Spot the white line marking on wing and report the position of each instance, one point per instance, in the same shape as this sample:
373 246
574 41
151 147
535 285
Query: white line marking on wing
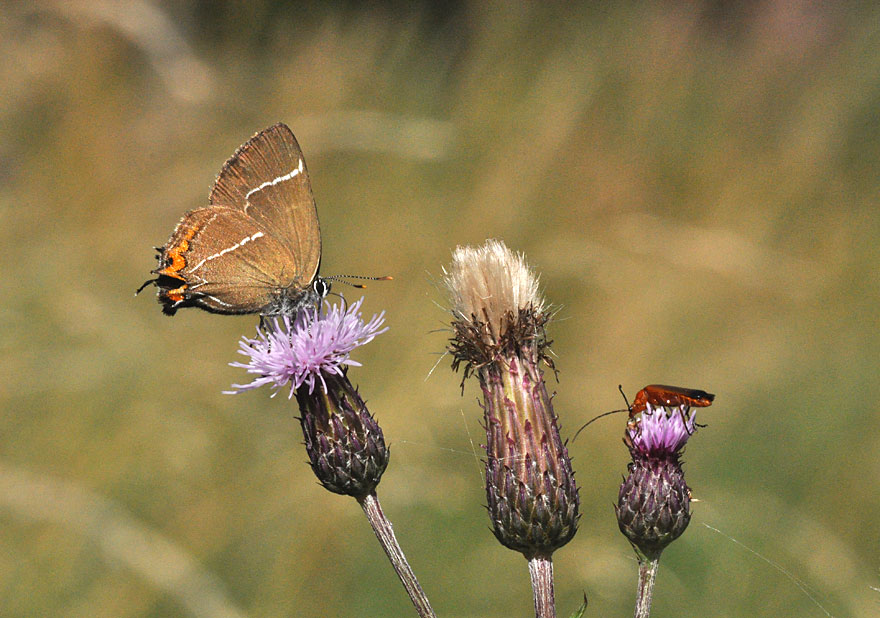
243 242
270 183
218 301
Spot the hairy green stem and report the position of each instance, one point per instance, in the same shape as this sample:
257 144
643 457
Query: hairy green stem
541 571
384 532
647 575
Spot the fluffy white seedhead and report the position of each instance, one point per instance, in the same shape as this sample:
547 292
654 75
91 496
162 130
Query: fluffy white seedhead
491 283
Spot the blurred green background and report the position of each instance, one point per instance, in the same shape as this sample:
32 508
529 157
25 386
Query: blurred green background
697 184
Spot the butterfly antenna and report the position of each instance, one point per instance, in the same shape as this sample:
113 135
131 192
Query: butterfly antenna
360 286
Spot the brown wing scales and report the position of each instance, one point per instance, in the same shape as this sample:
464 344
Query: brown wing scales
267 179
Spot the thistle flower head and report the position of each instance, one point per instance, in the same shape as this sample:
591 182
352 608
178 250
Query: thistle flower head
344 442
653 506
497 307
498 321
305 350
661 431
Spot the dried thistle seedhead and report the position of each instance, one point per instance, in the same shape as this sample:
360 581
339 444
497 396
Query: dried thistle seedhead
497 306
491 282
498 322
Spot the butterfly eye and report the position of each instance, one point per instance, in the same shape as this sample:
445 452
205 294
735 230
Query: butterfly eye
321 287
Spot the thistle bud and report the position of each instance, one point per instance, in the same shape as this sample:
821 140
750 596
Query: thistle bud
345 445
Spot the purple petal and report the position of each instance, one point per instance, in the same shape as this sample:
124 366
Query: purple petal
661 430
302 351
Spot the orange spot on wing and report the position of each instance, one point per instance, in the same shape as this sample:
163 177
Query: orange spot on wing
175 254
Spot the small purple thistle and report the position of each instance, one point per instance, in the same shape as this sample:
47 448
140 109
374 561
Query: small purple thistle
662 431
654 500
653 505
303 351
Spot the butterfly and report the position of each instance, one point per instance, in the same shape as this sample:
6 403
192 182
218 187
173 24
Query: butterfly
256 246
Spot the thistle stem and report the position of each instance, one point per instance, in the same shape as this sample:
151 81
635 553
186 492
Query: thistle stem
541 571
384 532
647 575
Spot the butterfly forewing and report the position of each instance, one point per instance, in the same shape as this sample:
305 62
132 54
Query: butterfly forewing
267 180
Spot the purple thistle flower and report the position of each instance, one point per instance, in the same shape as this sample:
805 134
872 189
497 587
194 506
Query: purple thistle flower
653 507
303 351
662 431
344 442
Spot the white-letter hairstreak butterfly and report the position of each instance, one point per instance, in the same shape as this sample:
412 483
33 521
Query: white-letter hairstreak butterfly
256 247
